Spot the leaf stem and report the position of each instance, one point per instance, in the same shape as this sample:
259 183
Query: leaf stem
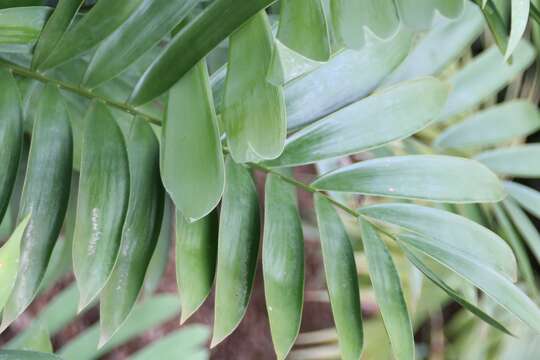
87 93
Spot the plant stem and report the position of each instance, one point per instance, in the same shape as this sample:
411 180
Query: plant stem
87 93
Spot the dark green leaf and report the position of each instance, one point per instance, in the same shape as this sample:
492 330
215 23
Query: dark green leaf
20 27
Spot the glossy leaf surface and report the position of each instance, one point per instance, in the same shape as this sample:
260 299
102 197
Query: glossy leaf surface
20 27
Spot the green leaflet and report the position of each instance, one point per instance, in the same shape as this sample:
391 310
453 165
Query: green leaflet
253 109
160 257
56 25
518 24
415 256
283 263
480 274
398 111
101 21
498 124
37 340
418 14
127 44
196 247
484 76
341 279
45 195
303 28
521 161
526 197
26 355
9 261
451 231
389 293
338 82
140 230
428 177
495 21
102 202
525 227
186 344
144 316
20 28
429 57
11 136
238 248
191 157
207 31
352 17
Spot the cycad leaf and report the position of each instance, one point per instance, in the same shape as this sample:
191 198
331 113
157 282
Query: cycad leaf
518 24
526 197
102 202
520 161
38 340
238 248
253 109
196 248
351 18
9 261
11 137
287 65
525 227
20 27
45 195
389 294
304 29
191 157
483 77
430 177
57 24
140 230
341 279
418 14
187 344
480 274
207 31
450 231
26 355
127 44
510 120
283 263
101 21
398 111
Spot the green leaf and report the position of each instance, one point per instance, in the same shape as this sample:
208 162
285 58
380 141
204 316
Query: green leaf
428 177
160 257
525 227
526 197
483 77
498 124
61 18
418 14
238 248
102 202
339 83
20 28
283 263
45 195
520 161
37 340
26 355
451 231
415 257
9 261
207 31
351 17
253 109
341 279
518 24
187 344
100 22
388 292
495 21
303 28
196 250
11 137
398 111
127 44
140 230
144 316
191 157
480 274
